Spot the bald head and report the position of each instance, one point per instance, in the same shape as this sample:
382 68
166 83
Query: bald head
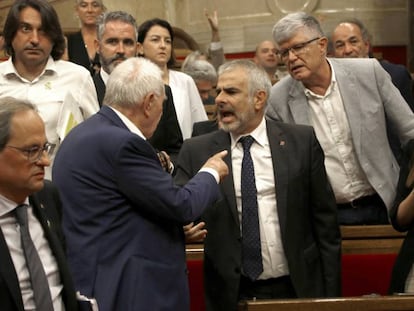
350 40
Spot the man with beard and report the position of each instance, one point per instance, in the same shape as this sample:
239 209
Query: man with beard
34 40
264 240
117 41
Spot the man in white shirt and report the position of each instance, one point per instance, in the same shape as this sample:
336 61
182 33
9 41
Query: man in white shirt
35 42
350 103
298 249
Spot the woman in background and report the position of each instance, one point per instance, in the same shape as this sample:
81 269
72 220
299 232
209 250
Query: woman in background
155 42
402 219
81 45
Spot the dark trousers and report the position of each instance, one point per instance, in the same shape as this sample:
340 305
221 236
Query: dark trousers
276 288
368 210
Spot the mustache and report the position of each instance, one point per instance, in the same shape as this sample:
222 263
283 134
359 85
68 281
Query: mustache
117 57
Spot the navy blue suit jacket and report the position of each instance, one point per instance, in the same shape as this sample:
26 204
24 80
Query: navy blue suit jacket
46 207
123 217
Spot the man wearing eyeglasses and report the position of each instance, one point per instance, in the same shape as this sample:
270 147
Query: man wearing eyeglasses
24 155
349 103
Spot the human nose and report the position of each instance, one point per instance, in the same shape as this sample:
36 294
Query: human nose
44 159
348 49
34 38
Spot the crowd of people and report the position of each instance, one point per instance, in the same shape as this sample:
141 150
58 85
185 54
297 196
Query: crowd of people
109 163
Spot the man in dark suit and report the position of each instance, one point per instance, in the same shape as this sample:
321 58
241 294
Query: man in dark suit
122 214
299 233
351 39
117 41
24 154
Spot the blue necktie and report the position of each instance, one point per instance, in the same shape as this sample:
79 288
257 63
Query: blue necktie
251 248
38 279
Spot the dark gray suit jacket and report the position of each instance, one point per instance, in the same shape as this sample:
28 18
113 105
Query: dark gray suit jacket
46 205
305 205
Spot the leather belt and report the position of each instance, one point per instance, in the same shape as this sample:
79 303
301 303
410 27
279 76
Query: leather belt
360 202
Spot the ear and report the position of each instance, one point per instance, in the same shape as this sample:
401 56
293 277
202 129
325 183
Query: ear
260 99
323 44
140 49
148 104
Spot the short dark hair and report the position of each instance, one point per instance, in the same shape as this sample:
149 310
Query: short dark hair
50 25
9 106
148 24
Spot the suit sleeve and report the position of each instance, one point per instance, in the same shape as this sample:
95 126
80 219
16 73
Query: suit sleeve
325 222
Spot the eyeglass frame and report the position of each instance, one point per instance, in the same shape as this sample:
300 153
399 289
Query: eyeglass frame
297 49
35 153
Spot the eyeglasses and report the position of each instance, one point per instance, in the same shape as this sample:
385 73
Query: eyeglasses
296 49
35 153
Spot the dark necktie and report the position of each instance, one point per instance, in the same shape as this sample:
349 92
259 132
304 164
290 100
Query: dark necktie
251 248
38 277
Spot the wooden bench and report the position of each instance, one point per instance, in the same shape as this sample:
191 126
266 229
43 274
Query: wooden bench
368 255
371 303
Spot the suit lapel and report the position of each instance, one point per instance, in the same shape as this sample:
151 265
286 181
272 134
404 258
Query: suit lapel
8 273
296 100
280 158
56 247
223 142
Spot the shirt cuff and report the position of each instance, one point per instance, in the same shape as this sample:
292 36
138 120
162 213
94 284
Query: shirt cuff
211 171
214 46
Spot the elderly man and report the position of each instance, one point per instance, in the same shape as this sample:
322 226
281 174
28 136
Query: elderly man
35 41
117 41
349 103
33 273
123 215
264 240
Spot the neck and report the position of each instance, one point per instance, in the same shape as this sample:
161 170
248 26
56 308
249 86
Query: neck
319 82
29 71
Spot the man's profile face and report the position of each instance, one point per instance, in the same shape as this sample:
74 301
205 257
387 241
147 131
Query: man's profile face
19 177
118 43
31 45
348 42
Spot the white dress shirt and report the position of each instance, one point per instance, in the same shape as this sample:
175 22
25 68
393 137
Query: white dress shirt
329 119
48 92
274 259
11 231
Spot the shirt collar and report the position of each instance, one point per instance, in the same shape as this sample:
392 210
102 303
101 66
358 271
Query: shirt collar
259 135
7 205
10 70
104 76
131 126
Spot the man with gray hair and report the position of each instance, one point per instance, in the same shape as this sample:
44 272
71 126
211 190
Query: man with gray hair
123 215
205 78
117 41
34 274
349 103
264 241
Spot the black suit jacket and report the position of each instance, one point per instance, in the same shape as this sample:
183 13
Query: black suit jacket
46 206
100 87
305 205
79 55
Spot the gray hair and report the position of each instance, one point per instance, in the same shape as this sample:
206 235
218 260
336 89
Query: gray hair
289 25
257 78
131 81
201 70
115 16
9 106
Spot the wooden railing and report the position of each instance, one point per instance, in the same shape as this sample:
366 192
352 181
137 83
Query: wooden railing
355 240
370 303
